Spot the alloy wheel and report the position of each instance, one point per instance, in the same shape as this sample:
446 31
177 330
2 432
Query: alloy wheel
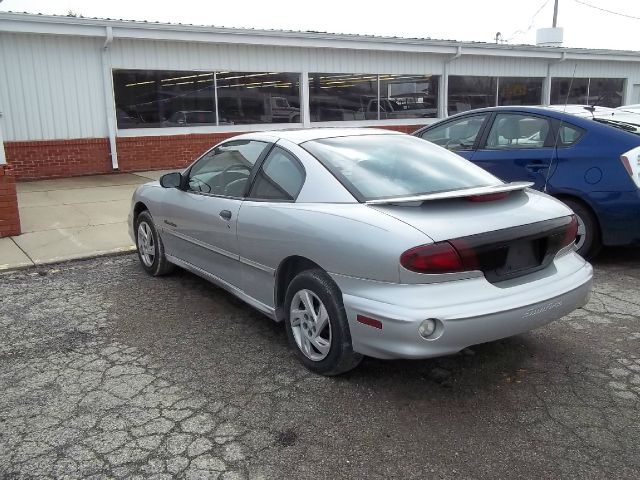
146 244
310 325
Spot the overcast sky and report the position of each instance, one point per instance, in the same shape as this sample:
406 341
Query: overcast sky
476 20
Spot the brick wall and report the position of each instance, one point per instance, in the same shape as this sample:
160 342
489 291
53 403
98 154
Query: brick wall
58 158
402 128
158 153
9 216
68 158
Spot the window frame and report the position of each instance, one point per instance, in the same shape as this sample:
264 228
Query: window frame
184 186
259 165
476 143
548 142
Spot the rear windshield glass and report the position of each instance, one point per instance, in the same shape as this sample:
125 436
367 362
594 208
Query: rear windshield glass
373 167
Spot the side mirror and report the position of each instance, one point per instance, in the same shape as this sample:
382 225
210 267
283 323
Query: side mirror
171 180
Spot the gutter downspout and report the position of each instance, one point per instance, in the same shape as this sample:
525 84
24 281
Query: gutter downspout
443 93
107 86
546 87
3 157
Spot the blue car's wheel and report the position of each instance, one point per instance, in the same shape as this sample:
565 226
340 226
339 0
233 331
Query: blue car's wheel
588 239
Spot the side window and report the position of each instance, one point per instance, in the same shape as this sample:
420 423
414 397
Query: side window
225 170
280 177
513 130
458 134
569 135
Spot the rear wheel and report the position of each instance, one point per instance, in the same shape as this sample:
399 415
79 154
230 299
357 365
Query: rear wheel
317 326
150 247
588 239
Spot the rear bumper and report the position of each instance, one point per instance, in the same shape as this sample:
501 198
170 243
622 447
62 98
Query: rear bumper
470 311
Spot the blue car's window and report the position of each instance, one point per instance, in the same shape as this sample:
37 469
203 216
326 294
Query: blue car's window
569 135
384 166
457 134
512 130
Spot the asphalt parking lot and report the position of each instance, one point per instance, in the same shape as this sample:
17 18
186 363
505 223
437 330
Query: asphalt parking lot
106 372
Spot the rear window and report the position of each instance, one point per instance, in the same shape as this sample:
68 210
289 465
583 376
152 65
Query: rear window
373 167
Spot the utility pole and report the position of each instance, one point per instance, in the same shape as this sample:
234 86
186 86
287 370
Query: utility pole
555 14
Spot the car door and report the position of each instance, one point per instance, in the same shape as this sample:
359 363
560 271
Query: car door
517 146
460 135
200 219
260 226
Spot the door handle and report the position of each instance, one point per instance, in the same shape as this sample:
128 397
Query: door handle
536 166
225 214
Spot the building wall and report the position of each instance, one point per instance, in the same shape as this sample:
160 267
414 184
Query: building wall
58 158
54 109
51 87
9 215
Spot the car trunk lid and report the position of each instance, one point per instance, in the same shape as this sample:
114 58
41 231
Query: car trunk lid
506 238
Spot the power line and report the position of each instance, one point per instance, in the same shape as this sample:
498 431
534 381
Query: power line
533 20
605 10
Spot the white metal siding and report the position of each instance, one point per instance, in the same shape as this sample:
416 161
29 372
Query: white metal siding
498 66
51 87
596 69
148 54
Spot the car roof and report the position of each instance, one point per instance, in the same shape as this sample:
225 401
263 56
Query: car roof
581 121
301 135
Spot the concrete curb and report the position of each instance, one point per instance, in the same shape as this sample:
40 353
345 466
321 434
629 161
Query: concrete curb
64 260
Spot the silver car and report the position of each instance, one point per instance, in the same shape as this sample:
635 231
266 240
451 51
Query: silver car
364 242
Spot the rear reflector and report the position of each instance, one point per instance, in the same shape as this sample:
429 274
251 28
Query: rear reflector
372 322
491 197
435 258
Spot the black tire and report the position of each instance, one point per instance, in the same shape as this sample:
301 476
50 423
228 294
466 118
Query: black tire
160 264
341 358
591 245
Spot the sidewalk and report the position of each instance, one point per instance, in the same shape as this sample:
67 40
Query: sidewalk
70 218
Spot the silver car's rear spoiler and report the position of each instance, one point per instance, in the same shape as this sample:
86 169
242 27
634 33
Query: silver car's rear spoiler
465 192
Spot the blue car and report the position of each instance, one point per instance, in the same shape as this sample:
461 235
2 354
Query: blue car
591 164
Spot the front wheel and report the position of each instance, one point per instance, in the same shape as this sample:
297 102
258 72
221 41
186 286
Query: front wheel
317 326
150 247
587 243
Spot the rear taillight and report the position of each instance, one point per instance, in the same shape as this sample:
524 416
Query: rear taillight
435 258
631 162
571 232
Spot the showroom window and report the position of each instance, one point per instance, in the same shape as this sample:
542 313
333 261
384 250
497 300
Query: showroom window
605 92
258 97
467 93
167 98
519 91
347 96
342 97
408 96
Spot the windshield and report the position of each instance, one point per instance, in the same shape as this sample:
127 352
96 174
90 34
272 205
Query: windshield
373 167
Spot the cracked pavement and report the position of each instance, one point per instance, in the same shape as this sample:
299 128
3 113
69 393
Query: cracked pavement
106 372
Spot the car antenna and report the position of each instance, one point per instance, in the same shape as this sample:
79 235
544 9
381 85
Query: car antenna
557 135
